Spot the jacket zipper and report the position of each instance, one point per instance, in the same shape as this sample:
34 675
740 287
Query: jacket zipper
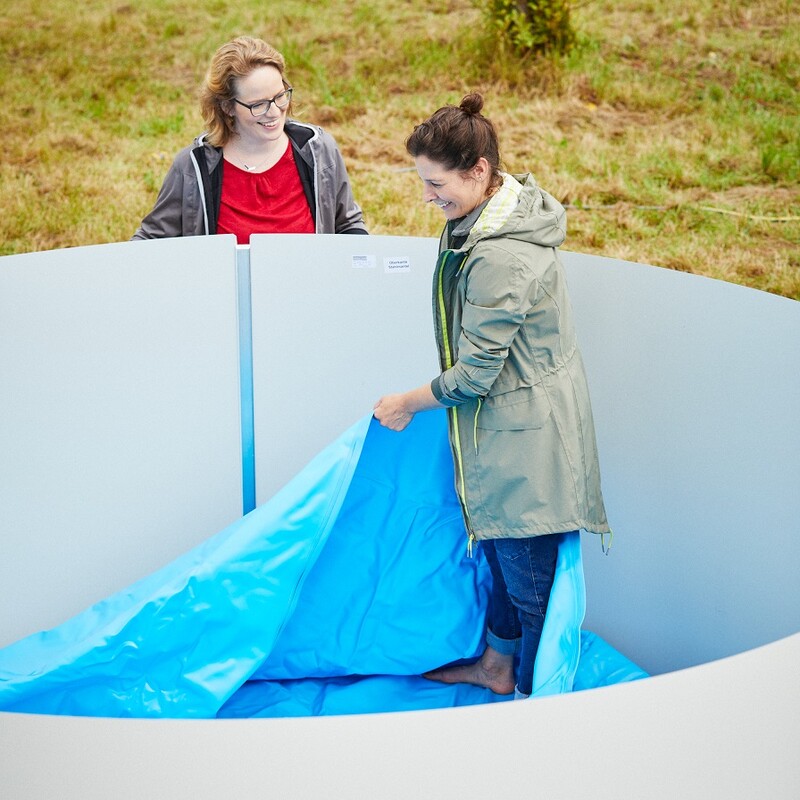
448 363
202 187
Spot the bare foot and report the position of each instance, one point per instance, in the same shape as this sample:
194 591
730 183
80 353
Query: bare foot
492 671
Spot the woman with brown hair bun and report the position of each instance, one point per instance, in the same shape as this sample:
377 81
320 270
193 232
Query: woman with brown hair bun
512 379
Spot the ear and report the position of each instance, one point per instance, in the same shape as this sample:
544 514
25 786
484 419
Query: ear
481 171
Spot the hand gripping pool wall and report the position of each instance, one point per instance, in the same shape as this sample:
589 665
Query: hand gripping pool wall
125 364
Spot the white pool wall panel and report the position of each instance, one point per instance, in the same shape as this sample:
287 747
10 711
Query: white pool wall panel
121 446
695 386
727 730
119 418
338 321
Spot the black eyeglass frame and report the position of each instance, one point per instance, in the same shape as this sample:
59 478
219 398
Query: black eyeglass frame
250 106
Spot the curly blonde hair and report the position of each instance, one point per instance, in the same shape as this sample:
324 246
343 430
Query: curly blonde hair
236 59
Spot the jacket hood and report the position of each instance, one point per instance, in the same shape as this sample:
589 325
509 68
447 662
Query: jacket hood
521 210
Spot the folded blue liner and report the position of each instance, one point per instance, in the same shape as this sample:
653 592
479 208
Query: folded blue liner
330 598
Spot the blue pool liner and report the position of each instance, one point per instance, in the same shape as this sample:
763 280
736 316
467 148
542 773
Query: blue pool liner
333 597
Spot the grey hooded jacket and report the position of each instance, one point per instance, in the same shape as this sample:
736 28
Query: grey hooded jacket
188 203
521 426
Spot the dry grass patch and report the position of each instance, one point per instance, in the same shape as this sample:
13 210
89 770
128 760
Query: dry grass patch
662 110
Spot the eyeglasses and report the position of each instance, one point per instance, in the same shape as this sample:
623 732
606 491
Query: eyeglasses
281 100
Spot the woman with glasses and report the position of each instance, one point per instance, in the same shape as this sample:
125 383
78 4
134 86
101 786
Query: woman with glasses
254 170
512 379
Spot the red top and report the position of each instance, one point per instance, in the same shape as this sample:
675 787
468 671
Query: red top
264 202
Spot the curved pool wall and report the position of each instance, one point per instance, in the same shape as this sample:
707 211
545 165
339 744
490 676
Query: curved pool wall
143 408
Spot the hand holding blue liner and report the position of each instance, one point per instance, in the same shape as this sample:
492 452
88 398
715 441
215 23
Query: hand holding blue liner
331 598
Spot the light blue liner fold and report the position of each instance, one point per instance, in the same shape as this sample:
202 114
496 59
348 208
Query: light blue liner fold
330 598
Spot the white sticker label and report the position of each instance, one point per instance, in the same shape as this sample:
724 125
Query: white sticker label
363 262
401 264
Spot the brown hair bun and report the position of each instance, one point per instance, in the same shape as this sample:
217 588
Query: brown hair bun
472 104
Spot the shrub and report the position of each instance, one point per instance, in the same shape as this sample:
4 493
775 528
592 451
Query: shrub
531 27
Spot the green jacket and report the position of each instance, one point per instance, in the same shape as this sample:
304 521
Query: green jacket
521 425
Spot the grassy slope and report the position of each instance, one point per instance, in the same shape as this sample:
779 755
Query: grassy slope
666 111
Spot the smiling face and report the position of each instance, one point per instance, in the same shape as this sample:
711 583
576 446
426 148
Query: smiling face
455 193
263 83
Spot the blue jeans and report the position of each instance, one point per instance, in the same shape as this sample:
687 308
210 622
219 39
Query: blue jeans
522 576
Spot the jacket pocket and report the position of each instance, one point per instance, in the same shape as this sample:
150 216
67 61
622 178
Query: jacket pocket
522 409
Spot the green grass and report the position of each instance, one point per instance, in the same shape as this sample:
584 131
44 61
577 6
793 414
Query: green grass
671 132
